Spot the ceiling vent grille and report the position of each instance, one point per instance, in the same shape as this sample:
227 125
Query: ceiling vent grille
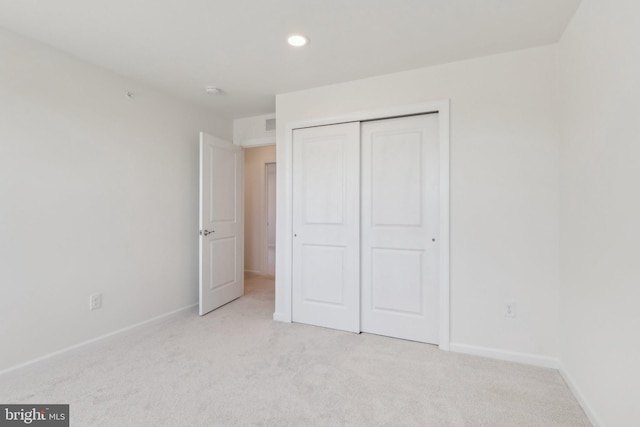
270 125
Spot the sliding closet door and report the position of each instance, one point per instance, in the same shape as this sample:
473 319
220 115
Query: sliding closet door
400 215
326 225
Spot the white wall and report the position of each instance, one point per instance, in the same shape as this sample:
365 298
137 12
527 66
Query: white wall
600 209
250 131
255 185
98 193
504 190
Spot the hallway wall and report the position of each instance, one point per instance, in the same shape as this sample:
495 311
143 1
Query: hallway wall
255 160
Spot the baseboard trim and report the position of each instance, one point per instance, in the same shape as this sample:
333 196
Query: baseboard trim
99 338
577 392
509 356
281 317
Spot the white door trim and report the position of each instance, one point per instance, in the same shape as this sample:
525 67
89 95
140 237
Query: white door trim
284 253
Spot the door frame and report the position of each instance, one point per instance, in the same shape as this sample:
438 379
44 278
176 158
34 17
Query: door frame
284 254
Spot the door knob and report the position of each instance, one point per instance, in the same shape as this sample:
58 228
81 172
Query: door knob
207 232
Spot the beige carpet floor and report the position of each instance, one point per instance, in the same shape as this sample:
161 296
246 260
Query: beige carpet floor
236 366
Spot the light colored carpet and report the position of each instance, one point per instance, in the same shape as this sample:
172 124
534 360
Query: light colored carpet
236 366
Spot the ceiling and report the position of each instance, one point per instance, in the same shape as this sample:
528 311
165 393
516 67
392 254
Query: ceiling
180 46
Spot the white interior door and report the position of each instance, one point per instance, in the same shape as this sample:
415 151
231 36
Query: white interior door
221 222
326 225
400 227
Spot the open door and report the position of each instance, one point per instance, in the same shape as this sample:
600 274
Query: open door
221 222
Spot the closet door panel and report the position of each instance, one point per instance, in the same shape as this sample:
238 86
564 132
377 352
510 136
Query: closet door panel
326 225
400 215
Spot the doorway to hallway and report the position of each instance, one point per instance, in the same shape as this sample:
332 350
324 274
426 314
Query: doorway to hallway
260 210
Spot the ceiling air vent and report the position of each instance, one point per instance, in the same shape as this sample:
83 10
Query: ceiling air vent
270 125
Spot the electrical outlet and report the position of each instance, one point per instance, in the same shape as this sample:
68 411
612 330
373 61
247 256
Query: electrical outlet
95 301
510 309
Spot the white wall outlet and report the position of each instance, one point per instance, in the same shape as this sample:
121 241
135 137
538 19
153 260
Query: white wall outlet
95 301
510 309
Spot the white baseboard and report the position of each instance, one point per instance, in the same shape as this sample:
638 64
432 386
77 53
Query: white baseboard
509 356
586 407
92 340
258 273
281 317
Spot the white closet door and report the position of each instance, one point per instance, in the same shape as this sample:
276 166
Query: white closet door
326 226
400 215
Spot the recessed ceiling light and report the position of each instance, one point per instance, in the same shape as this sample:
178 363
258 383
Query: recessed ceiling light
297 40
